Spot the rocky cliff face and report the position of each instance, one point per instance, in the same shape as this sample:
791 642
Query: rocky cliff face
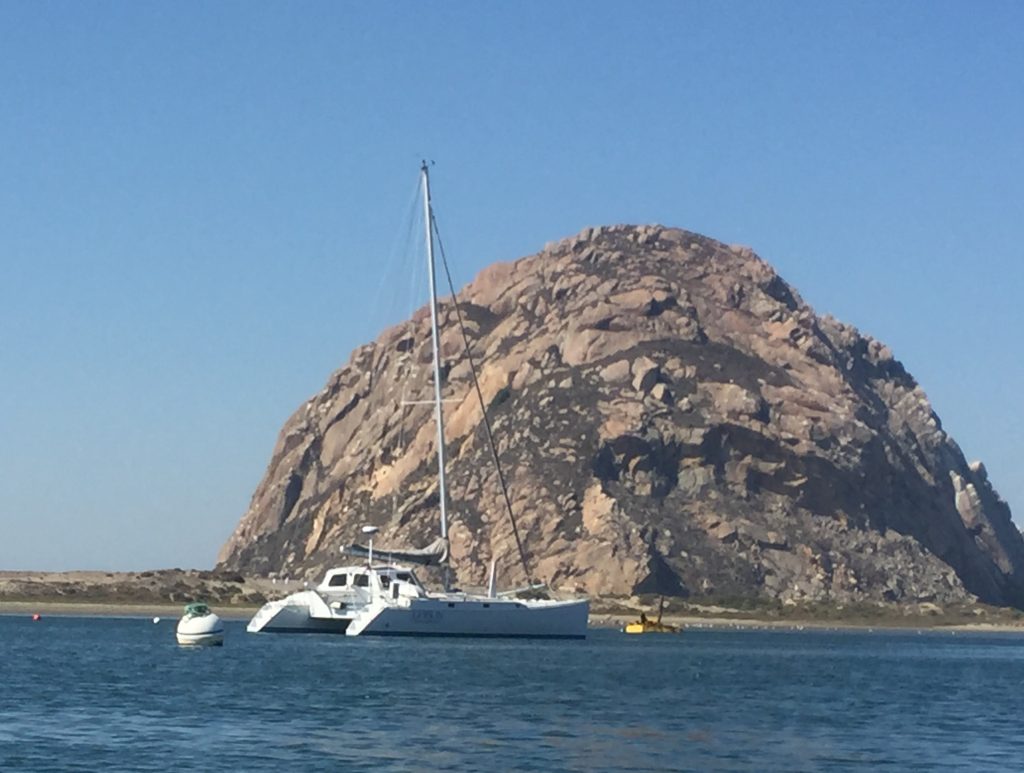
671 417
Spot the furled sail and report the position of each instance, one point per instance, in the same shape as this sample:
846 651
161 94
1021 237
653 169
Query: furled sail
435 553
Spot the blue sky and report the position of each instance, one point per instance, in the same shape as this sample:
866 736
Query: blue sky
196 199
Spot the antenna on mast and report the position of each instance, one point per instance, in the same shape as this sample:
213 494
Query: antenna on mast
370 530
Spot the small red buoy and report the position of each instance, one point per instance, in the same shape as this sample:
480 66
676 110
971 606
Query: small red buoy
37 617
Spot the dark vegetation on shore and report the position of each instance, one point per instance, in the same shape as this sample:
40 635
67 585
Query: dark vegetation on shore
161 586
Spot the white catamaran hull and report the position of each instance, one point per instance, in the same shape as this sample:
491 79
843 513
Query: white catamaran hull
303 612
481 617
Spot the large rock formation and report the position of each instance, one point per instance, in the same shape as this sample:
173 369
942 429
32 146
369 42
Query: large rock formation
671 417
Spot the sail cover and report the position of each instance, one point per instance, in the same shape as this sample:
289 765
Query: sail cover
433 554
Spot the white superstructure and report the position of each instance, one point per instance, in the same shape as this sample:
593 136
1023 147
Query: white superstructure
330 607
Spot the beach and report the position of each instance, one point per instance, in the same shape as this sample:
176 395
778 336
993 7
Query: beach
163 593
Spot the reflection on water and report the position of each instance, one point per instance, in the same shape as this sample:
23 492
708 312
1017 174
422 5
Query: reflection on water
118 694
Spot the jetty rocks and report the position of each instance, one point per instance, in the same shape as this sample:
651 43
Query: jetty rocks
671 417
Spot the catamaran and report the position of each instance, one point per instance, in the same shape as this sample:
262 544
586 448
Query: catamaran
386 598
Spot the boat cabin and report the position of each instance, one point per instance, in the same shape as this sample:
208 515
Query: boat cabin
393 581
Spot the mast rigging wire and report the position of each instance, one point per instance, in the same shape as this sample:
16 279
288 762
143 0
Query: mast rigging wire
480 397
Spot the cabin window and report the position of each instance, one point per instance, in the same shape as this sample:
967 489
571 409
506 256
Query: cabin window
338 579
403 576
362 580
385 581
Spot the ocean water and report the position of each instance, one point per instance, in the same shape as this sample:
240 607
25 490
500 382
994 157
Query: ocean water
107 694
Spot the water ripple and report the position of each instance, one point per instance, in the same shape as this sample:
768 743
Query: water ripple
118 694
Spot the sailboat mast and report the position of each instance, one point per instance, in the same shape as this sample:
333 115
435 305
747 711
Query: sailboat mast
439 414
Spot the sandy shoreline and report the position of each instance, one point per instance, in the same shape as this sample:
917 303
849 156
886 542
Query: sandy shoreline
82 609
753 623
597 620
